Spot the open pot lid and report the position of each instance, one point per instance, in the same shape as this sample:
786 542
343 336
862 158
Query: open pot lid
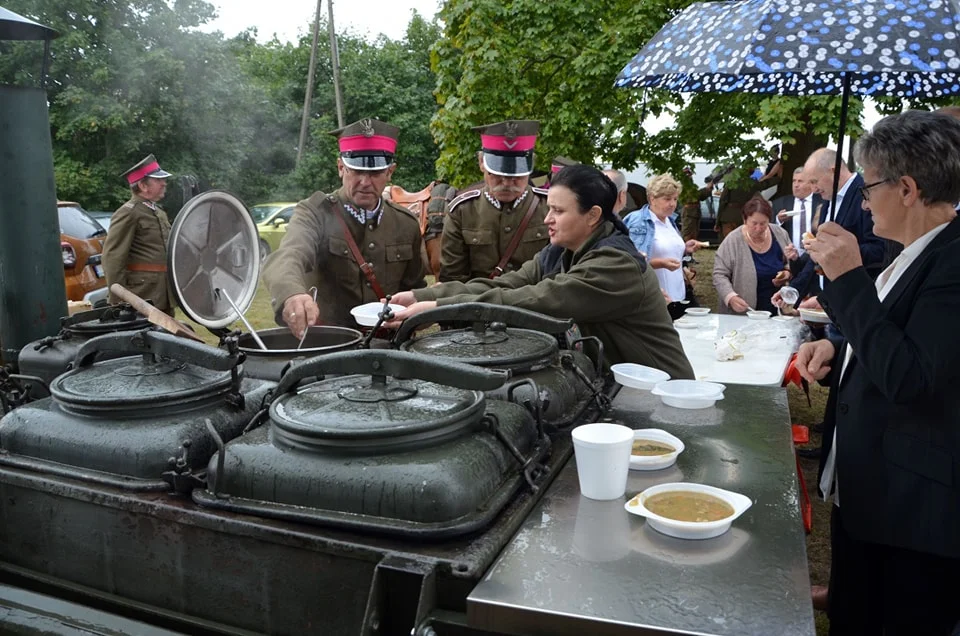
214 245
105 320
493 346
363 412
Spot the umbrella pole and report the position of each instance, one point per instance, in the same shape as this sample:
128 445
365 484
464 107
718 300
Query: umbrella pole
844 104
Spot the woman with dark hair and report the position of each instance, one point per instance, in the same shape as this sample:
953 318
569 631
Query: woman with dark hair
590 272
750 265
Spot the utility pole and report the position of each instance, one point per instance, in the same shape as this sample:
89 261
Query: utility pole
308 97
335 62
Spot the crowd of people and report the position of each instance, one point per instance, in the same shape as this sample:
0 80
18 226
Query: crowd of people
879 252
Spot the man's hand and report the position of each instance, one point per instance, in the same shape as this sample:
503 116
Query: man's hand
811 303
738 305
299 312
782 278
405 298
671 264
791 252
692 246
411 310
813 359
835 250
782 216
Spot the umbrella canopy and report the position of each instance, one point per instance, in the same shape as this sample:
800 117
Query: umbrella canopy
16 27
902 48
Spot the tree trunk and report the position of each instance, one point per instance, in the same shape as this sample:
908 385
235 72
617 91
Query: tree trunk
795 155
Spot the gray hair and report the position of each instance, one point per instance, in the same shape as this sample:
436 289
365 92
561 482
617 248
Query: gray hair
826 159
619 179
918 144
798 170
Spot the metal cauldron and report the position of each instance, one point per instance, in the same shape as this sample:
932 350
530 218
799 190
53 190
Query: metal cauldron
282 348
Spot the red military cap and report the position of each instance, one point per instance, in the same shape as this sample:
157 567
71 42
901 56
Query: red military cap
146 167
368 144
508 146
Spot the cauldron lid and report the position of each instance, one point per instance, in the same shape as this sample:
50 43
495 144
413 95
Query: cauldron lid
491 346
105 320
138 384
214 245
372 412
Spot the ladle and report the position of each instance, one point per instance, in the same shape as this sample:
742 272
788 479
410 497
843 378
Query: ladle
313 291
253 332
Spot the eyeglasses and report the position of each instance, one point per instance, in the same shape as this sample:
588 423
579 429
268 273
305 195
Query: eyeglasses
865 189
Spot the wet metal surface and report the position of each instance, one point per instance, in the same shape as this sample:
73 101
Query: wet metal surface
580 566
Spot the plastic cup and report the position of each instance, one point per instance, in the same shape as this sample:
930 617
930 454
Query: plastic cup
602 452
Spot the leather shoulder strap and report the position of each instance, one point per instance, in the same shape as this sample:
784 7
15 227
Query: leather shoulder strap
515 241
365 267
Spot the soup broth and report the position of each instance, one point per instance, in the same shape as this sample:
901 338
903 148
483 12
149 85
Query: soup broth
688 506
650 448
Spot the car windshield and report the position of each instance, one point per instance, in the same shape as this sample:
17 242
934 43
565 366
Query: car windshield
77 223
262 212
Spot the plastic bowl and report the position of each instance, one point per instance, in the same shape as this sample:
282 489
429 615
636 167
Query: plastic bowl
685 323
689 394
656 462
697 311
689 529
758 314
637 376
368 315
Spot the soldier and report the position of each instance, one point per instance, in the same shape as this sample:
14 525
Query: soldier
135 252
353 245
496 228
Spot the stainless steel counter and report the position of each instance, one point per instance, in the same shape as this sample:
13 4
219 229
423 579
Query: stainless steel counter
579 566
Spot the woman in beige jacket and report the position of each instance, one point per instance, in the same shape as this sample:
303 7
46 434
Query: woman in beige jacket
751 264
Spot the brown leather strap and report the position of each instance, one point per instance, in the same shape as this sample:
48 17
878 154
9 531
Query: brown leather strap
515 241
146 267
365 267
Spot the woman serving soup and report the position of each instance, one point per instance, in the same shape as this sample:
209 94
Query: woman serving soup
750 265
590 272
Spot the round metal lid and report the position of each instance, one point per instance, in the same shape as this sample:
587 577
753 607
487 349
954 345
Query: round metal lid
214 245
364 412
108 320
496 347
138 383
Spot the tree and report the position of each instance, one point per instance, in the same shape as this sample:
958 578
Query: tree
557 61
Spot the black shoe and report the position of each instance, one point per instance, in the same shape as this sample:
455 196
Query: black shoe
809 453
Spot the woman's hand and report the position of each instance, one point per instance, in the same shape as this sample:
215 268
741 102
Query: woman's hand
782 278
691 246
813 359
666 296
405 298
738 305
411 310
671 264
791 252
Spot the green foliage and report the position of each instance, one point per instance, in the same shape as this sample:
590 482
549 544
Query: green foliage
131 78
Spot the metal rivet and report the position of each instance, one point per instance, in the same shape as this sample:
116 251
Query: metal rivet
345 251
507 229
369 227
538 234
474 240
398 255
372 245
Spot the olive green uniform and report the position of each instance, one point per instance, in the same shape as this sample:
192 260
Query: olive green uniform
314 252
690 217
476 234
137 242
605 290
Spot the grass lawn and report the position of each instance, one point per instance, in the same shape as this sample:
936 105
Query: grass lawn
260 316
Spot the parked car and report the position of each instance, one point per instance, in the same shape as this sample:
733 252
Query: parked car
102 217
271 220
81 244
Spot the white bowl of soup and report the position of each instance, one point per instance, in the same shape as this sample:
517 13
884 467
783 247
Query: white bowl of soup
688 511
654 449
368 315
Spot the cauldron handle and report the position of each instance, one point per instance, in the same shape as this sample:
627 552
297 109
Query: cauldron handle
157 343
482 313
398 364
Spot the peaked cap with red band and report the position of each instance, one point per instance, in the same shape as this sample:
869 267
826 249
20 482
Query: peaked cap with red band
147 167
560 162
508 146
368 144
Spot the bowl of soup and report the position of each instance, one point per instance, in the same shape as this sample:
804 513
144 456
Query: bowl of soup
654 449
688 511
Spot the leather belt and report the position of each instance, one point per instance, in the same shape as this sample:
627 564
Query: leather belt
146 267
515 241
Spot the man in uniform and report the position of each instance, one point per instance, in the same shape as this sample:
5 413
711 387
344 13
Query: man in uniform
135 251
496 228
690 215
353 245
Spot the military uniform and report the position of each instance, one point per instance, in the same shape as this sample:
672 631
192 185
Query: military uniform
135 251
315 252
476 234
